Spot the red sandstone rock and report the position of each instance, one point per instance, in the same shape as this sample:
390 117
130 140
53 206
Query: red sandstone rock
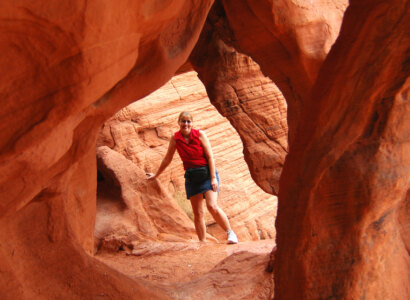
288 39
347 176
141 210
69 67
343 211
207 271
249 100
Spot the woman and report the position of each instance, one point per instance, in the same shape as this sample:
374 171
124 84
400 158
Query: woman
201 176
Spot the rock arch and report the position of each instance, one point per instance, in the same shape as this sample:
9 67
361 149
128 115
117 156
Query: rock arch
343 195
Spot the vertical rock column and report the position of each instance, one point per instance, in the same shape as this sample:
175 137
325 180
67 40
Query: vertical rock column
69 67
343 218
289 40
249 100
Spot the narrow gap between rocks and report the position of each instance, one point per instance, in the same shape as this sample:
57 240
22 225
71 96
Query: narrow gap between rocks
144 229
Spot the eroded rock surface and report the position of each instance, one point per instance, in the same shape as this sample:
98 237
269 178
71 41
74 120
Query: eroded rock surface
70 66
139 211
288 39
347 176
248 99
343 225
207 272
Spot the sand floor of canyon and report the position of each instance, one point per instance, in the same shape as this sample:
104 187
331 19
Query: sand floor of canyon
194 270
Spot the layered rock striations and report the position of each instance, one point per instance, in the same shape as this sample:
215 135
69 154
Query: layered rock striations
345 180
247 98
342 225
141 132
288 39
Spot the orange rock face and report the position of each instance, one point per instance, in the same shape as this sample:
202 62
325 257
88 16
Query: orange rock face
141 132
343 212
346 178
131 209
249 100
70 67
288 39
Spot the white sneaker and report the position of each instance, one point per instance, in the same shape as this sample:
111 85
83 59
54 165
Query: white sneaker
232 238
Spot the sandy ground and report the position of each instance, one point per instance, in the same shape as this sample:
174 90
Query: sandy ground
193 270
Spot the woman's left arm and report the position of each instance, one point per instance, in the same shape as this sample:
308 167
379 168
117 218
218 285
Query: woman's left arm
209 155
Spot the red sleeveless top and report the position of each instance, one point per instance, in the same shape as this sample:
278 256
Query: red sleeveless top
192 154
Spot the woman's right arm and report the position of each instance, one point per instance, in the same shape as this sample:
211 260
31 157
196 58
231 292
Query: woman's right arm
166 160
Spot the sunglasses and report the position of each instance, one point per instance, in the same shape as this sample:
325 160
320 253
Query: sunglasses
186 121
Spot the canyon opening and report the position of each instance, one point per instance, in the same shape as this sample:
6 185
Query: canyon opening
151 237
336 156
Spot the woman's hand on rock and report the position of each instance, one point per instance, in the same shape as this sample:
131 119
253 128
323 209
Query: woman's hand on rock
150 176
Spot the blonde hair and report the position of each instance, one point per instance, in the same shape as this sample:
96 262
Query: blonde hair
186 115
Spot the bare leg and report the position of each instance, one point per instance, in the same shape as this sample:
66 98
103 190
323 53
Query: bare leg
218 214
197 203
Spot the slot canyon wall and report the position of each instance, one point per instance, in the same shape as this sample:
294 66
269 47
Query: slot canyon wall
343 212
343 215
70 67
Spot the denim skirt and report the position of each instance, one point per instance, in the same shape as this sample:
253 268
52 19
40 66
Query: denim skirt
193 189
